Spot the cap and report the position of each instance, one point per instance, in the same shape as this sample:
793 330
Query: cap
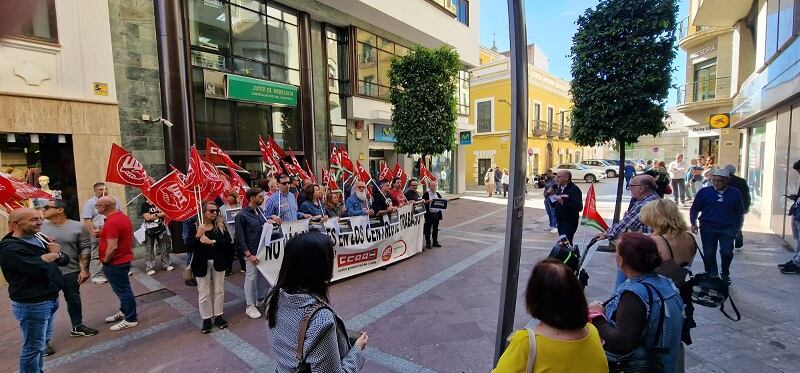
722 172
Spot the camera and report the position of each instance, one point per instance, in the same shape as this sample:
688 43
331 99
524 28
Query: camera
565 252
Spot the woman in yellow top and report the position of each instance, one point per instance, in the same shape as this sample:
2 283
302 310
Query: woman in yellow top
565 340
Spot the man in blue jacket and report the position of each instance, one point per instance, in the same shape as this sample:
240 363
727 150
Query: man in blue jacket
721 211
358 204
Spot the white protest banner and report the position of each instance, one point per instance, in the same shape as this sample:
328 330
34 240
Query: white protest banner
365 249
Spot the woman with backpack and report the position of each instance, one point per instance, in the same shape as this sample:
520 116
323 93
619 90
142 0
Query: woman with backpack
562 340
641 324
299 314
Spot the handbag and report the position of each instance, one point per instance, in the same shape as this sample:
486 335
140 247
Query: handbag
302 365
188 275
638 360
155 231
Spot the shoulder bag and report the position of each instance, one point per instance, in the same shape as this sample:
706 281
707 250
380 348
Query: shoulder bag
302 365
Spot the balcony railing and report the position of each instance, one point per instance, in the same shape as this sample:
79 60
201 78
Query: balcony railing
565 131
537 127
552 129
704 90
684 29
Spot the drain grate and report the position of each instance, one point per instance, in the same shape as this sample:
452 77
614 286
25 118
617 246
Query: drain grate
154 296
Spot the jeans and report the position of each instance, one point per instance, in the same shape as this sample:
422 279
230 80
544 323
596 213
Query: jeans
628 181
711 238
117 276
36 324
95 267
211 292
72 295
796 233
164 244
497 185
551 213
255 286
679 190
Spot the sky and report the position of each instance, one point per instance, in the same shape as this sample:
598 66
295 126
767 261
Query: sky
551 24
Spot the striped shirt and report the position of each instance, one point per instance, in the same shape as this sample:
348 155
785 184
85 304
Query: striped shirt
284 206
630 222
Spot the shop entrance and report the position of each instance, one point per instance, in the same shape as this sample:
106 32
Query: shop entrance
709 146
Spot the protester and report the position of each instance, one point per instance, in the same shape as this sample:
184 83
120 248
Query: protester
116 253
567 205
411 193
793 265
432 216
693 179
358 204
313 203
565 340
550 186
671 233
396 193
30 266
648 166
156 234
334 208
498 180
295 187
185 228
282 206
661 178
302 285
212 247
505 180
630 172
74 240
94 222
231 203
641 324
381 204
721 215
248 226
488 179
677 173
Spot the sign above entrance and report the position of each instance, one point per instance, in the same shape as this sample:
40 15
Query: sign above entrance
465 138
261 91
384 133
719 120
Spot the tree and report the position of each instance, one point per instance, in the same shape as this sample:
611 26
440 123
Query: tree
621 63
423 88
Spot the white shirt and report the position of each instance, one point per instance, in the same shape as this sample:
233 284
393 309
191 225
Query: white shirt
504 179
677 170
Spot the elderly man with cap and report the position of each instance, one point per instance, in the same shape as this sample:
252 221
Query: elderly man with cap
721 215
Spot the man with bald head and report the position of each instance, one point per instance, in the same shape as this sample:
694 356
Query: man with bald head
30 262
567 203
116 254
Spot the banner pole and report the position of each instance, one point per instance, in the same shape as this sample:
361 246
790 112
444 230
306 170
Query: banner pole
131 200
198 205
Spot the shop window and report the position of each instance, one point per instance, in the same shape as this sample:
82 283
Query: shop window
756 166
483 116
43 22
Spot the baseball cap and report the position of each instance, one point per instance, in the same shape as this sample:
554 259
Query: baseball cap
722 172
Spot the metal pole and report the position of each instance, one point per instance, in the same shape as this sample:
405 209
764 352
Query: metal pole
519 145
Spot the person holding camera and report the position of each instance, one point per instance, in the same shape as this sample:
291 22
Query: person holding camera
299 312
156 234
30 265
550 185
567 203
641 324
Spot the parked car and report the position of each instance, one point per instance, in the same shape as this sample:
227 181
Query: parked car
581 172
609 169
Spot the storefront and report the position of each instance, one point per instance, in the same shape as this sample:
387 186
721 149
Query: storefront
756 147
702 140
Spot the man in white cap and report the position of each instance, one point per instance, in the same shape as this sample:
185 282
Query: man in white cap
721 215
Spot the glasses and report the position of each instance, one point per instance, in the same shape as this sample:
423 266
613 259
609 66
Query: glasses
361 187
633 185
46 207
213 211
285 182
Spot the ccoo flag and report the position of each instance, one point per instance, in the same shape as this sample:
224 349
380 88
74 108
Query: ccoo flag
590 216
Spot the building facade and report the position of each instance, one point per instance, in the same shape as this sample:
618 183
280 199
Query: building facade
549 126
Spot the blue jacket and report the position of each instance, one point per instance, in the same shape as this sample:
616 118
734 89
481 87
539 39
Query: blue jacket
311 208
716 212
248 226
355 206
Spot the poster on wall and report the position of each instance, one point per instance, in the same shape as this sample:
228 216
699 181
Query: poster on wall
363 249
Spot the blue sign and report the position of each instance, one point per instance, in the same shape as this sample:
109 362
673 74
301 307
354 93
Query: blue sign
465 138
384 133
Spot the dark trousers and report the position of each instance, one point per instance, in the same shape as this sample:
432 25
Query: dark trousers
431 227
679 190
567 230
117 276
72 295
711 238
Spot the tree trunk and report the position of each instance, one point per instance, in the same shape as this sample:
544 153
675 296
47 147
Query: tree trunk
620 178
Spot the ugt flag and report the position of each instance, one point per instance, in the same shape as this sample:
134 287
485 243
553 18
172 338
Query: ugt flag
590 217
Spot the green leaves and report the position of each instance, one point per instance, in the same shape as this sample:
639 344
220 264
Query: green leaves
423 86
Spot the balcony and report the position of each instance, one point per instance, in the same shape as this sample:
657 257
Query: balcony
552 129
537 127
704 94
564 131
723 13
690 36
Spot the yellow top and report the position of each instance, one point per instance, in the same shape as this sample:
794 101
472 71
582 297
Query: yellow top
584 355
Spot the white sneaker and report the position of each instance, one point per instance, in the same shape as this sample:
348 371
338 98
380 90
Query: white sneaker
123 325
169 268
554 230
99 280
119 316
151 272
252 312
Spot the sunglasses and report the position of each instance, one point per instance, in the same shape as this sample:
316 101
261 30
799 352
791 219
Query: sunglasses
361 187
285 182
213 211
46 207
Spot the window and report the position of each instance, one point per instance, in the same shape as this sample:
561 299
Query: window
338 83
705 80
374 56
483 116
462 92
43 23
462 11
780 25
549 119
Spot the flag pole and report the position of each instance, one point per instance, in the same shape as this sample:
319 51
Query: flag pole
198 205
131 200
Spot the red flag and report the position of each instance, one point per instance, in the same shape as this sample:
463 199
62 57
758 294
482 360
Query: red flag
181 175
240 186
333 187
269 157
336 161
590 216
386 172
424 173
205 176
216 155
311 173
345 160
173 197
276 149
326 176
363 174
401 173
124 169
295 163
15 190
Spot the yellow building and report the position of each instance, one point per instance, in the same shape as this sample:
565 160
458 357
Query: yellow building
549 112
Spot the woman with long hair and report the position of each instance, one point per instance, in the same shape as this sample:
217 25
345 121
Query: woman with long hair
313 203
564 340
302 284
641 324
212 249
676 245
334 207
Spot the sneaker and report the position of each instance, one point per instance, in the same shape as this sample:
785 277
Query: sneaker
99 280
82 331
790 268
191 282
119 316
206 326
220 322
436 244
124 324
727 279
169 268
48 349
252 312
553 230
785 264
151 272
